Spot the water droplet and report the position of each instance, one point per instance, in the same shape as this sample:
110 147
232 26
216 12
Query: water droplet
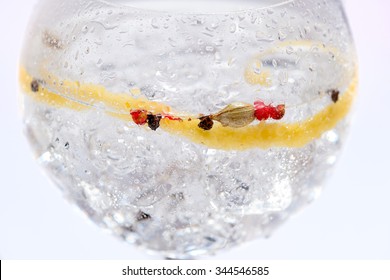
49 116
85 29
257 67
99 62
241 17
233 28
217 57
172 42
253 19
154 23
210 48
283 78
289 50
281 35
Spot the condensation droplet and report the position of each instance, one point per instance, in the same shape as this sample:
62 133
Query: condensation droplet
281 35
233 28
257 67
99 62
85 29
172 42
217 57
210 48
289 50
154 23
283 78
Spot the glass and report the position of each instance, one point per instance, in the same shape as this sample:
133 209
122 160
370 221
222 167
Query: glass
187 127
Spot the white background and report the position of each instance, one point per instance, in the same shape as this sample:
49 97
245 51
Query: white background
351 219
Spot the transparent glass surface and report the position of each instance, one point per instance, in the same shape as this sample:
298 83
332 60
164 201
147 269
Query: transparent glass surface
187 127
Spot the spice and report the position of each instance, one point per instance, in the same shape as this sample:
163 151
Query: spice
171 118
278 112
141 216
153 121
206 123
35 86
264 112
236 115
334 94
140 117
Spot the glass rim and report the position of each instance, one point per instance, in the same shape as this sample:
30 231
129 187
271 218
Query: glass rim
239 10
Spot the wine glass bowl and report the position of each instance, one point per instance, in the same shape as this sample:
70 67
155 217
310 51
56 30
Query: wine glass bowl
188 127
